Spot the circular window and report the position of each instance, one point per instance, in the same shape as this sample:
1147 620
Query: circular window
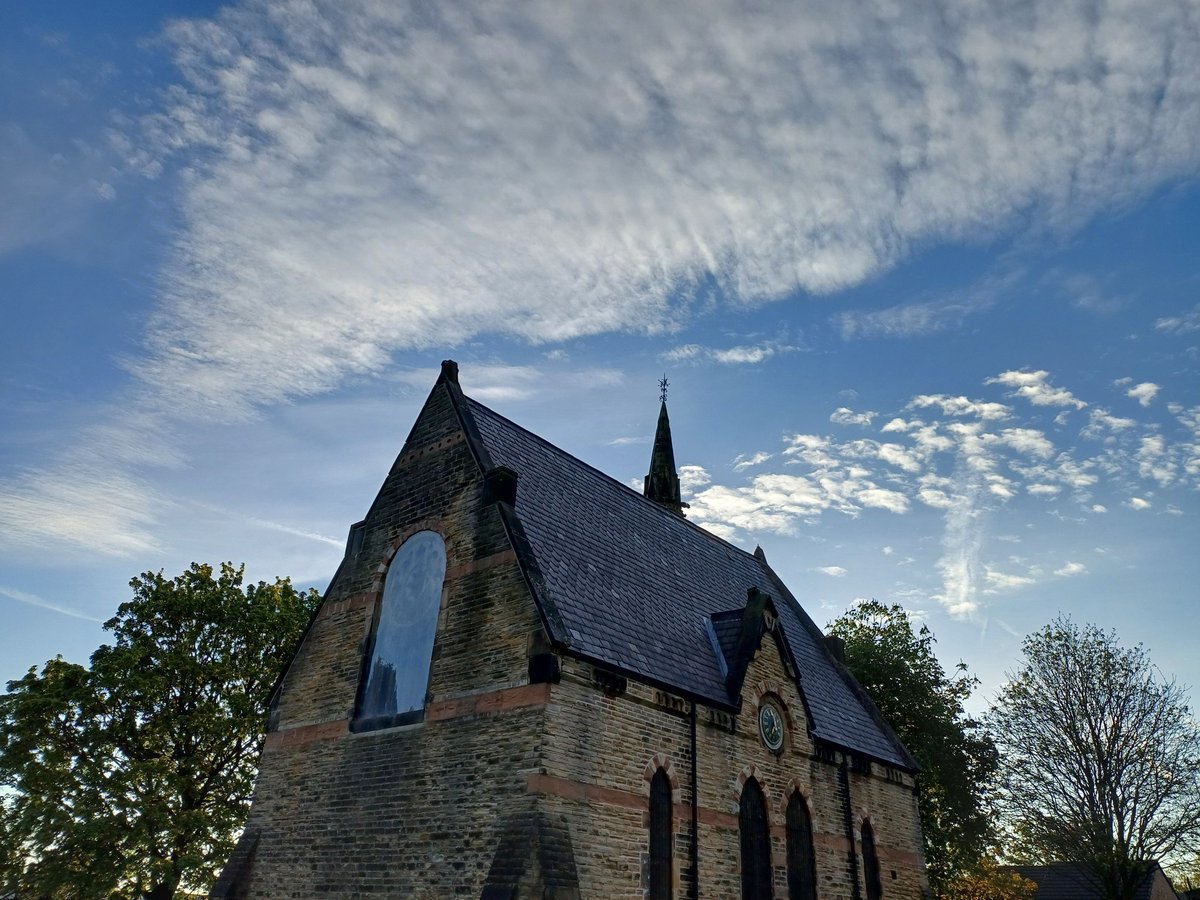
770 725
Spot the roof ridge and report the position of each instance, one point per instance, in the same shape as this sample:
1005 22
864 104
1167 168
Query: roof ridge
650 504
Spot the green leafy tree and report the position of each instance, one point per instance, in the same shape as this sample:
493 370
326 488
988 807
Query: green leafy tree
131 777
1101 758
898 668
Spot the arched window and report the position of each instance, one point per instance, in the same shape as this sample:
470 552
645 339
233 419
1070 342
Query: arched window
801 860
661 876
756 843
395 675
871 862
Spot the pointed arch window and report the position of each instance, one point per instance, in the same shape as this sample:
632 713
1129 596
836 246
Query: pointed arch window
661 838
756 843
871 862
801 859
395 675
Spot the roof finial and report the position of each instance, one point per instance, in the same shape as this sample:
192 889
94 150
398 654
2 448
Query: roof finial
663 384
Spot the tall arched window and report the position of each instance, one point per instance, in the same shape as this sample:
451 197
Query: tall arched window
395 675
801 860
661 876
871 862
756 843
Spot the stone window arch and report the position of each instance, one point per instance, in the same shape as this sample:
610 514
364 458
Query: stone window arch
870 856
801 855
756 842
395 676
662 828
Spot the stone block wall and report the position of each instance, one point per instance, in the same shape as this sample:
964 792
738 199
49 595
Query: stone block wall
414 810
601 752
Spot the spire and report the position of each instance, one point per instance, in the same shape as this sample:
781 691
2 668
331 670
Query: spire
662 481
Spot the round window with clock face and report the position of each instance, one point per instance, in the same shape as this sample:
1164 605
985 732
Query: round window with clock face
770 725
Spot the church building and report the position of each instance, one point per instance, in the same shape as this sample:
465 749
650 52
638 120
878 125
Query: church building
527 680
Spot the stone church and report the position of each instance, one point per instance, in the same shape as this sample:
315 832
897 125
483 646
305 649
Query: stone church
528 681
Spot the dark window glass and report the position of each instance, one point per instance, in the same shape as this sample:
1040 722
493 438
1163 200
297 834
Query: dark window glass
871 862
397 676
660 837
756 843
801 860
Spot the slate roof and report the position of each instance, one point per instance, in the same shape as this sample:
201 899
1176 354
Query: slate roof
625 583
1073 881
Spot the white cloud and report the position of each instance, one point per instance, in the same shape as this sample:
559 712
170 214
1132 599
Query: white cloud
1153 461
901 457
746 461
683 352
845 416
906 320
1183 324
359 179
34 600
1100 420
1138 503
1005 581
832 571
693 477
745 354
880 498
1027 440
1035 387
924 318
1144 393
99 507
1071 568
633 155
961 406
1044 490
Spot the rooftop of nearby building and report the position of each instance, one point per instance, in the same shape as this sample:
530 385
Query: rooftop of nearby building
1074 881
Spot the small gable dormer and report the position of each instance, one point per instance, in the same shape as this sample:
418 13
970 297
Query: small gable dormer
736 636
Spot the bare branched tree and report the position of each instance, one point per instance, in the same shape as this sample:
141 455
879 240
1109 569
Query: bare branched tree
1100 758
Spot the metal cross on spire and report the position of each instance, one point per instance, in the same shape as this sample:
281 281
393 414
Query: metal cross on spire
663 384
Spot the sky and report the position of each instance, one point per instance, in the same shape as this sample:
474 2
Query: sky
923 278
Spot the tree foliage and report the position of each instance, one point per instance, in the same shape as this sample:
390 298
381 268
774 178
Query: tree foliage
987 881
130 777
1101 757
900 671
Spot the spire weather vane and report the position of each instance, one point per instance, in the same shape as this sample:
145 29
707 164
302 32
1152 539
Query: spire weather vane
663 384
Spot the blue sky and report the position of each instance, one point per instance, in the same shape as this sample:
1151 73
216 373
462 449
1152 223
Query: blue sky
924 280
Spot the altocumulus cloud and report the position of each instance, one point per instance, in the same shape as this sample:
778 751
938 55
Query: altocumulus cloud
369 176
362 178
966 459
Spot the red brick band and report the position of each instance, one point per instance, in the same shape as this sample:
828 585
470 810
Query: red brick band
306 734
479 565
714 818
354 601
523 697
